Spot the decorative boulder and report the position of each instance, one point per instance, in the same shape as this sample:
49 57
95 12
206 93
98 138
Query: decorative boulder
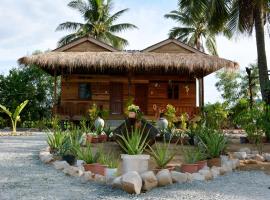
60 165
240 155
215 171
132 182
100 179
267 157
245 149
164 177
189 177
46 157
73 171
198 177
87 176
179 177
206 173
149 180
117 182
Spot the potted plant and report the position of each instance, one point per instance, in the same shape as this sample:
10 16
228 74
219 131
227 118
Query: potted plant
133 143
55 140
191 157
112 166
67 150
162 155
92 137
132 111
213 143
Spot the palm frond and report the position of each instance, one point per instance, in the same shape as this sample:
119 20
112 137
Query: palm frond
121 27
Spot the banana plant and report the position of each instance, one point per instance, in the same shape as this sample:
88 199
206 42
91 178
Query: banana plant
15 117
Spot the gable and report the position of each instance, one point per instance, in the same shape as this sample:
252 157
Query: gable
86 46
171 48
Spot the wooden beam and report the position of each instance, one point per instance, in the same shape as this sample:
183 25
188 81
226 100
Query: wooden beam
129 84
55 93
201 92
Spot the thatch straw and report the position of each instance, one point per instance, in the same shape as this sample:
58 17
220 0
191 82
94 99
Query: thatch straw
123 61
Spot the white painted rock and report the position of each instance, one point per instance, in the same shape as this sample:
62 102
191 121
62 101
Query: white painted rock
179 177
117 182
87 176
245 149
132 182
240 155
259 158
267 157
60 165
149 180
73 171
164 177
198 177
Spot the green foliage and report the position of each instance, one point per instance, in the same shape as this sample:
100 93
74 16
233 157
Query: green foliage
170 115
86 154
55 140
133 108
162 154
212 142
215 115
191 156
108 159
15 117
133 143
95 111
128 103
98 23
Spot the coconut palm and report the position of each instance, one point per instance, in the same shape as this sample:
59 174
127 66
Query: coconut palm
99 23
194 32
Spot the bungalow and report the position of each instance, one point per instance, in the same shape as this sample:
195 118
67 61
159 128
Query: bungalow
91 71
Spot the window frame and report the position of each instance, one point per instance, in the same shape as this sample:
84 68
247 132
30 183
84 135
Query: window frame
88 88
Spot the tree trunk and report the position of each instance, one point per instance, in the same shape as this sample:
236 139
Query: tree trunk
262 60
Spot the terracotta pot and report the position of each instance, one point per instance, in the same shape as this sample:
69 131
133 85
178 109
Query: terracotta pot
132 115
201 164
92 139
189 168
102 138
214 162
95 168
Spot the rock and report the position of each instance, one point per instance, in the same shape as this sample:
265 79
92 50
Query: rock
149 180
240 155
189 177
99 178
198 177
245 149
224 159
179 177
117 182
255 152
132 182
46 158
250 162
73 171
206 173
164 177
87 176
251 156
267 157
228 166
235 163
60 165
259 158
215 171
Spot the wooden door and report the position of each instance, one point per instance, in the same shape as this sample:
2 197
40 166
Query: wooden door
116 98
141 96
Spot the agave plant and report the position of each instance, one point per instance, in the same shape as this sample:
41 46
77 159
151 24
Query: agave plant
192 156
15 117
87 155
162 154
133 142
55 140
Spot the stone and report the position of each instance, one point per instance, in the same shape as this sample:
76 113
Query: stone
224 159
87 176
259 158
60 165
235 163
198 177
240 155
132 182
149 180
267 157
117 182
164 177
100 179
228 166
255 152
73 171
245 149
251 156
179 177
189 177
206 173
46 158
215 171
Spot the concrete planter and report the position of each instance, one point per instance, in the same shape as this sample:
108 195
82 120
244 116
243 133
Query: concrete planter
138 163
111 172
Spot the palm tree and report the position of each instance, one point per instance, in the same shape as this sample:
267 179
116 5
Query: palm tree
99 23
194 32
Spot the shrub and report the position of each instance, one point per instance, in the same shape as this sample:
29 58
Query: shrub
191 156
170 115
55 141
86 154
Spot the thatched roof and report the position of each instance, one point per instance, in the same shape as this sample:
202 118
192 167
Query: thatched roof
109 62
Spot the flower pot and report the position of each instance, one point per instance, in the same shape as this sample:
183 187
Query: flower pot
132 115
189 168
70 159
111 172
162 123
102 138
92 139
214 162
95 168
243 140
138 163
201 164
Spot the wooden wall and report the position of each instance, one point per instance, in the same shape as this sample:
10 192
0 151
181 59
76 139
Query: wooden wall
85 47
171 48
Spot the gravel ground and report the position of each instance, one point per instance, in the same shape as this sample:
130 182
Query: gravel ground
23 176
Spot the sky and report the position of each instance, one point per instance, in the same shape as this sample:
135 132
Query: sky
29 25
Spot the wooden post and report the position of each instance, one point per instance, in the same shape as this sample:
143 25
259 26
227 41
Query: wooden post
55 93
201 92
129 84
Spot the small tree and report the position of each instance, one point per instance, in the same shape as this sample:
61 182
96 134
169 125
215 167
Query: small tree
15 117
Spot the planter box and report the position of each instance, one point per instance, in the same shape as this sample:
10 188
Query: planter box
138 163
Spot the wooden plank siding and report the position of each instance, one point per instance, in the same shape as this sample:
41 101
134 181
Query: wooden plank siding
157 96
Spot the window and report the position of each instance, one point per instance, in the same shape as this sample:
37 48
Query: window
85 91
173 91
